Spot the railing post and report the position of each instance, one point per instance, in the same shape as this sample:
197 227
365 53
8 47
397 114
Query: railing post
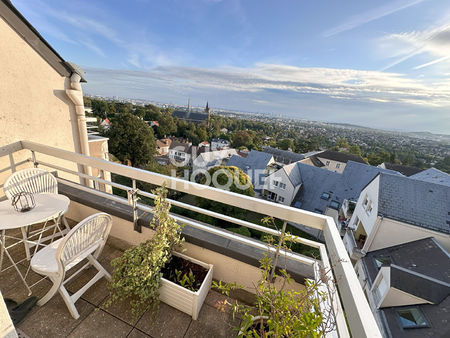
132 200
277 253
33 158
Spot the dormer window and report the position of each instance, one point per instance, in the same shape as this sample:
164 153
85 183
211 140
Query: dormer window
411 318
334 205
382 261
325 196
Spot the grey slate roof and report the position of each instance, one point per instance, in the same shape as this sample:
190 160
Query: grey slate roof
403 169
255 161
340 157
421 268
434 176
293 172
283 156
424 256
415 202
419 285
347 185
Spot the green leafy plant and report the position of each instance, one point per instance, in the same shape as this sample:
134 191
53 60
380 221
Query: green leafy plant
137 273
279 311
186 280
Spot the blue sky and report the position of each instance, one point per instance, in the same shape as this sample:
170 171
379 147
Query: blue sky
382 64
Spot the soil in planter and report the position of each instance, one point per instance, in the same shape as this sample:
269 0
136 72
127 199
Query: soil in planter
185 267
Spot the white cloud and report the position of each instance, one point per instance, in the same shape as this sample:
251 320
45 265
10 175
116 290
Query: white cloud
433 41
338 84
372 15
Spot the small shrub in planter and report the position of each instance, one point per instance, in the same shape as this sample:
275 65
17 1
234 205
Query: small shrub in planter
139 272
278 312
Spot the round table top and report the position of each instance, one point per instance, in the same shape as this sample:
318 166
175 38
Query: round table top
47 206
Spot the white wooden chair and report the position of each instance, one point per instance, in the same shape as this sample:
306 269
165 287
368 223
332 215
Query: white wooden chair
85 241
34 181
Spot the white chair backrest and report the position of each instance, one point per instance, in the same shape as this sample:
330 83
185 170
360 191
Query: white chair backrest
32 180
86 237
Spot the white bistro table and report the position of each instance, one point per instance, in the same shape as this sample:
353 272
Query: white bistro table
49 207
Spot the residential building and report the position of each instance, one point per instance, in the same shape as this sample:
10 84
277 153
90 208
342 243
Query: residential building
106 124
408 288
403 169
209 159
255 165
394 209
180 151
41 98
282 185
333 160
163 146
283 156
319 190
219 144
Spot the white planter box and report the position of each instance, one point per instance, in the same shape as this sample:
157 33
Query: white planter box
183 299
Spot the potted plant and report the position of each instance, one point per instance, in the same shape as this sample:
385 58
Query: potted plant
153 271
278 311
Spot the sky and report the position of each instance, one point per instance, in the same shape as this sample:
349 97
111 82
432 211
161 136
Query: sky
382 64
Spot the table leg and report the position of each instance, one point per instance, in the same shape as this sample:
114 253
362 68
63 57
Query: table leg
3 249
25 242
17 269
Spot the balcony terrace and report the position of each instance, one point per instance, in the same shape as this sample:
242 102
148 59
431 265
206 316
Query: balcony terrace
96 319
234 257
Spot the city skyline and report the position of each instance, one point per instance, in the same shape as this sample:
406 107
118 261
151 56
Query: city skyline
357 63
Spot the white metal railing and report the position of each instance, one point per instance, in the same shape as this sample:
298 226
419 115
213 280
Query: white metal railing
333 254
349 241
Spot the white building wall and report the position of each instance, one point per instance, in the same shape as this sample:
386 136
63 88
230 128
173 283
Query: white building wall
368 219
392 233
336 166
288 193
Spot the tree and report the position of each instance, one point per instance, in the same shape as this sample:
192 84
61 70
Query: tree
355 150
230 178
286 144
131 139
234 178
242 138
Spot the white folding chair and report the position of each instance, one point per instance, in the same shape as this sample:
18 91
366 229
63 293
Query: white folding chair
34 181
85 241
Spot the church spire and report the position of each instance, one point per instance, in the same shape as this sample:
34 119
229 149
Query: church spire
189 105
207 111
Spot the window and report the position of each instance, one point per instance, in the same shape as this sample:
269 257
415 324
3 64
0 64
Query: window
369 208
328 163
411 318
282 186
318 211
325 196
366 200
272 196
280 199
334 205
380 261
338 165
275 183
